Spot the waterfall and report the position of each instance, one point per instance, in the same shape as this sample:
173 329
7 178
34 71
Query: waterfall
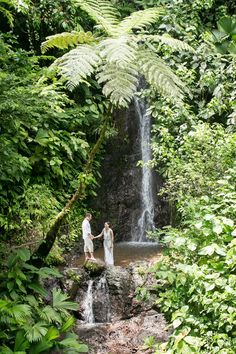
102 300
146 218
97 307
88 304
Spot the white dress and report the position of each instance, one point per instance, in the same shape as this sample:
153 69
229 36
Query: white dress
108 247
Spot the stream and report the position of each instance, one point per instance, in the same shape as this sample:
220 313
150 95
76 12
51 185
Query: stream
126 253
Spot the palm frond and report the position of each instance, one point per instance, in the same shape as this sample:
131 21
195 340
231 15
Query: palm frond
50 315
139 20
173 43
19 311
103 13
77 64
159 75
119 84
60 301
68 324
118 50
66 39
36 332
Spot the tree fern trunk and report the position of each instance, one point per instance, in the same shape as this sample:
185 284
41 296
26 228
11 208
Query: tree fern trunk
45 247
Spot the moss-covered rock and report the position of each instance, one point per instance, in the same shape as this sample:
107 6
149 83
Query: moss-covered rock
94 268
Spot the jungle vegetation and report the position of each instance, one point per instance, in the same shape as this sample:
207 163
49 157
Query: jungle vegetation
64 66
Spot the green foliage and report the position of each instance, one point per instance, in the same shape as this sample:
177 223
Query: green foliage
27 324
199 264
224 38
45 137
119 59
8 6
66 39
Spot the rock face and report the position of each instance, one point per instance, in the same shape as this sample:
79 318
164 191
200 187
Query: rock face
118 198
120 321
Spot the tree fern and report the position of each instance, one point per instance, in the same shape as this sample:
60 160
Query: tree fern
159 75
103 13
66 39
119 59
139 20
118 51
78 64
119 84
166 39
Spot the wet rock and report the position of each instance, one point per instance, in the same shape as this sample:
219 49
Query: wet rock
118 197
126 336
121 288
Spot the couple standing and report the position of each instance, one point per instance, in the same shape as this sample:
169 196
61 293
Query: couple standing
108 239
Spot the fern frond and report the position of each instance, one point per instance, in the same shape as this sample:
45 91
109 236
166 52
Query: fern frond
118 50
103 13
119 83
77 64
159 75
8 15
66 39
173 43
139 20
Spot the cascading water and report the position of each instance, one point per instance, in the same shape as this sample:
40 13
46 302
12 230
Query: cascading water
102 306
146 219
97 307
88 304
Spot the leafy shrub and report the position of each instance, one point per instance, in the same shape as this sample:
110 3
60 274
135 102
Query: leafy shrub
29 324
198 269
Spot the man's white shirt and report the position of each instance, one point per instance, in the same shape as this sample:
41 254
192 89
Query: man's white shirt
86 228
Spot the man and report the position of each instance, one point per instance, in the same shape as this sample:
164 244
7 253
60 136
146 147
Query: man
88 237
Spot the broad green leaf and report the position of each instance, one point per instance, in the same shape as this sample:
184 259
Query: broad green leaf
73 343
227 24
21 343
176 323
217 228
24 254
46 272
38 289
52 333
233 233
42 137
41 347
68 324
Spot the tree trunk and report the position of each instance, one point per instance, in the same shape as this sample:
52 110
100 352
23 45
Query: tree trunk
45 247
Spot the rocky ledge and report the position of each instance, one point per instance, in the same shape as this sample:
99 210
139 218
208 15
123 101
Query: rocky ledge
122 322
124 336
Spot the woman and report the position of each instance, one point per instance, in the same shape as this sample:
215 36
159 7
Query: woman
108 240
